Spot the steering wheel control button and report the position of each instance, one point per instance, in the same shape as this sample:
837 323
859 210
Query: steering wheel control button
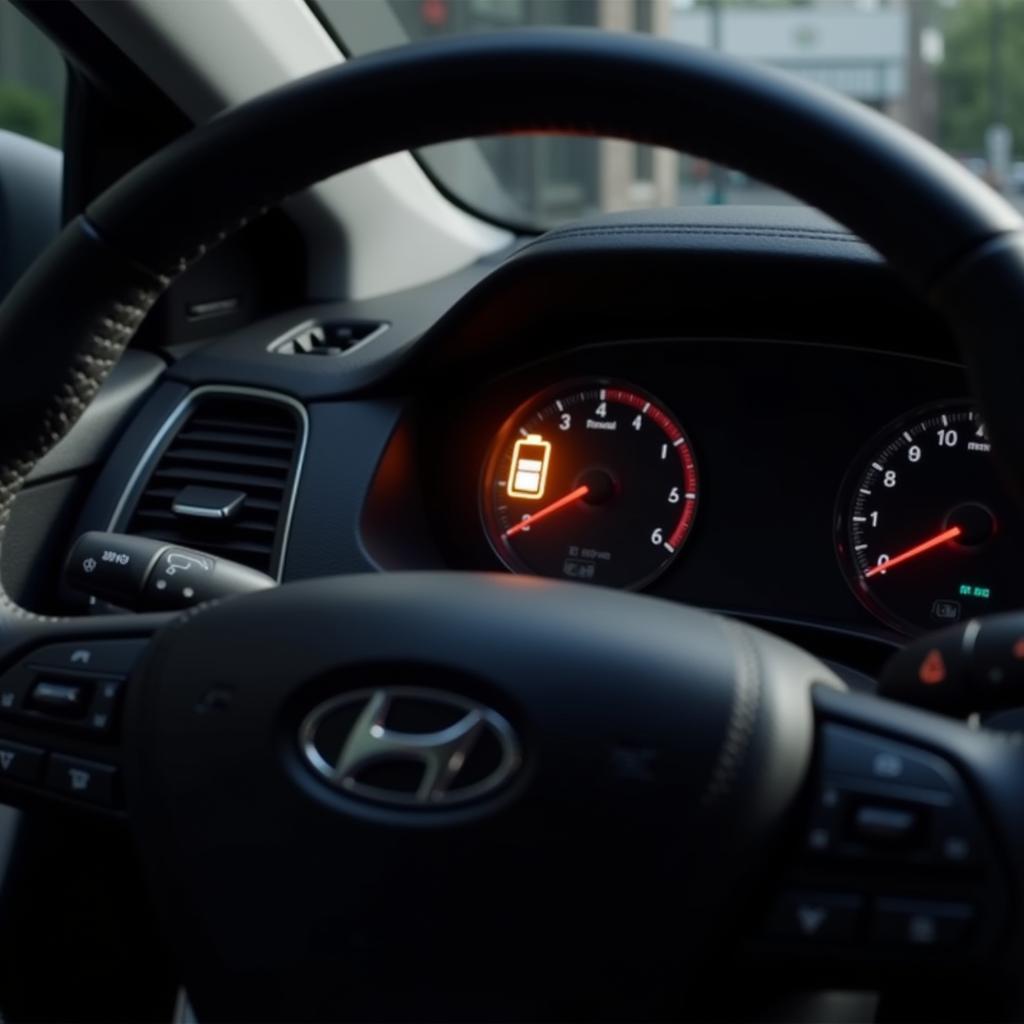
99 657
82 780
955 836
63 699
112 566
103 711
923 925
891 804
905 833
73 685
19 762
14 685
861 755
812 916
890 827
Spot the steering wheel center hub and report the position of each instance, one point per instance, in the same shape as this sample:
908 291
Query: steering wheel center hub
469 755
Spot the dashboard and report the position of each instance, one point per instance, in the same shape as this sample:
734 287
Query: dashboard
787 439
729 474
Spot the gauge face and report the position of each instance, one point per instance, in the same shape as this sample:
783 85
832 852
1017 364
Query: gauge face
592 481
924 526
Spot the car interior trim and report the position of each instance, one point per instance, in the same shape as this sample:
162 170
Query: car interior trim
278 344
118 519
272 44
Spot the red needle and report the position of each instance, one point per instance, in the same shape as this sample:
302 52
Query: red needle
940 538
566 499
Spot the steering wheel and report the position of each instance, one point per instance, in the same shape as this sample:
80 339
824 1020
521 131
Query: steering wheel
617 796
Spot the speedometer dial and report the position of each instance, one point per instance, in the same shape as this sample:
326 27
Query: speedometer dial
592 481
924 526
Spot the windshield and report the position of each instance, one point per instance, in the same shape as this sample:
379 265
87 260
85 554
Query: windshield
948 69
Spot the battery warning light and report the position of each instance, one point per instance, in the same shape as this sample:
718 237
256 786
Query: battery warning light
529 471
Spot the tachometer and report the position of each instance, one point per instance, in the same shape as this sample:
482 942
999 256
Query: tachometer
925 530
591 481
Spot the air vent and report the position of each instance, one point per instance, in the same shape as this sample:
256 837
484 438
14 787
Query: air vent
331 338
241 451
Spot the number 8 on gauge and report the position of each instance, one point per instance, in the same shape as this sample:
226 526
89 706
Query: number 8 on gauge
592 481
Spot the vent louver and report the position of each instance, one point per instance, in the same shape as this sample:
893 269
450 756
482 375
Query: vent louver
331 338
232 443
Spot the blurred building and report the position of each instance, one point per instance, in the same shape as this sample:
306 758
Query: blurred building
859 50
550 179
636 177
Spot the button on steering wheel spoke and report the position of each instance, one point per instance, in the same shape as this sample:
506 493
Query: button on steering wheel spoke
61 704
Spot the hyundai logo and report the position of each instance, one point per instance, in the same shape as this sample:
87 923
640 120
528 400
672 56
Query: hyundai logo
408 746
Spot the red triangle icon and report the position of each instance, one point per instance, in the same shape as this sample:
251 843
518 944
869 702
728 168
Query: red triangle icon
933 668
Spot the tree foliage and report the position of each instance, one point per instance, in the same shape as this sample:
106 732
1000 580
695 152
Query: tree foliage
967 92
29 112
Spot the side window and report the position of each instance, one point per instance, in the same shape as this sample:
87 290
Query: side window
32 78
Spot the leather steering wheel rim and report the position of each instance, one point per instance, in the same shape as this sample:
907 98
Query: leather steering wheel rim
953 239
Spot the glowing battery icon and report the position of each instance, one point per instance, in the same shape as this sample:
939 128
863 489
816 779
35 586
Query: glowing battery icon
529 472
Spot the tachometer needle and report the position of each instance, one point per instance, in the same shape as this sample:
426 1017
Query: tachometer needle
920 549
566 499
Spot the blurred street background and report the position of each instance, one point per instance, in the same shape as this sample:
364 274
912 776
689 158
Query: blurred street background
952 70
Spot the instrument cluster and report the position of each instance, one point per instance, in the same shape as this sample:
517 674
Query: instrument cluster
754 477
